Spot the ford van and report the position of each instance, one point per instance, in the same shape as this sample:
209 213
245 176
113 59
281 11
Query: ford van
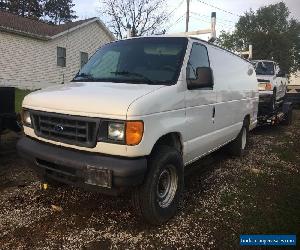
137 114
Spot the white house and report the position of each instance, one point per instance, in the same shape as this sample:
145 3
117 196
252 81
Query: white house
295 78
34 54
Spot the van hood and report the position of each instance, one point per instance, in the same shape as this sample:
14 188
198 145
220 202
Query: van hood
99 98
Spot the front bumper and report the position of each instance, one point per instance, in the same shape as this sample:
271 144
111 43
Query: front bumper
88 170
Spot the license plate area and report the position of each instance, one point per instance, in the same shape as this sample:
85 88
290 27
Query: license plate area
98 177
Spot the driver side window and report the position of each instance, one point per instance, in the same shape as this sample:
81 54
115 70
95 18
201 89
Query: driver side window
198 58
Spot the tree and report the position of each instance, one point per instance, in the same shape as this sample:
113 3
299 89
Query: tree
4 4
273 35
25 8
145 17
59 11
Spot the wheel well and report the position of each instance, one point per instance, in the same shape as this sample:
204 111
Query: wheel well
171 140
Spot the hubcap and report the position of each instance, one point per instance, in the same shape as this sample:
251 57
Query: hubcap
244 138
167 186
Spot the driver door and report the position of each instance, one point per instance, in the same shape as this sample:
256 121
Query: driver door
200 108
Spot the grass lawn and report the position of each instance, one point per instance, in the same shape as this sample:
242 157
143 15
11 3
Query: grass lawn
19 96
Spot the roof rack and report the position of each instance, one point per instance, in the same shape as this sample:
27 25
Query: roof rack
248 52
211 31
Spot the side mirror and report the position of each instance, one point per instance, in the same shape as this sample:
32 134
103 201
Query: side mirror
204 79
280 74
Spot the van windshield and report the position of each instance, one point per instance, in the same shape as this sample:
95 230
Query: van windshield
264 68
155 60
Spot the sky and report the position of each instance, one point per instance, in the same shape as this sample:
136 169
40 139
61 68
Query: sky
200 12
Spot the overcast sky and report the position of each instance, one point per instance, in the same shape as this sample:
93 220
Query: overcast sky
200 12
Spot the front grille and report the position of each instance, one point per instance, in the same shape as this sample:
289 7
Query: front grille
74 130
262 80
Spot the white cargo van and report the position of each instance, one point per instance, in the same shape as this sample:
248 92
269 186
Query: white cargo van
136 114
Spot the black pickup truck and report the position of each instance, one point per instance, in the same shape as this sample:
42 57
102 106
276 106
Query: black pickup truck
8 116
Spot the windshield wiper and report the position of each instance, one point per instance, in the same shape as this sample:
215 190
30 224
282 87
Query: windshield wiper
83 76
127 73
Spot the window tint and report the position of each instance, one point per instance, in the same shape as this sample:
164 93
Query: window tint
108 64
153 60
84 57
198 58
264 68
61 56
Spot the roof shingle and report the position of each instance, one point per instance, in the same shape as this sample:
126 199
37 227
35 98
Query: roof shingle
33 27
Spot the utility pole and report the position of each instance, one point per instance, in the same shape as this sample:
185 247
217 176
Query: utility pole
187 15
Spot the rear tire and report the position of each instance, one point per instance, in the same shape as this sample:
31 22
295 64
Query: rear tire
288 119
157 199
239 145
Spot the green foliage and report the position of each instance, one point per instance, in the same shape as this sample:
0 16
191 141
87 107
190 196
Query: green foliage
54 11
272 33
25 8
60 11
4 4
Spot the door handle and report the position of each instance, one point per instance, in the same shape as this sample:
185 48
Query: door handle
214 112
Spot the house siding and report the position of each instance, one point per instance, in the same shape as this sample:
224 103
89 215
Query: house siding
28 63
295 78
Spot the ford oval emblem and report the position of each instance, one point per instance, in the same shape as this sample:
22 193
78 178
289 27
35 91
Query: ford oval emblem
59 128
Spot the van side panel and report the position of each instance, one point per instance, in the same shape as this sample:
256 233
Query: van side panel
169 117
237 93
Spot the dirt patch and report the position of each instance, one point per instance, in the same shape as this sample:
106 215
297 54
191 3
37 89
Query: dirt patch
224 197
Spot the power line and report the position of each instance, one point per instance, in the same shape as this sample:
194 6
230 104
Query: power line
218 22
176 8
198 14
203 20
179 19
226 11
224 26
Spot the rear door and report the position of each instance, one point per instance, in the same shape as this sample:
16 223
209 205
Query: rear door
199 107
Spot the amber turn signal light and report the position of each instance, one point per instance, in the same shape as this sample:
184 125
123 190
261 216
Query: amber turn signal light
268 86
134 132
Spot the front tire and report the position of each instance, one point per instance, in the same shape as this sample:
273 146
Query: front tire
157 200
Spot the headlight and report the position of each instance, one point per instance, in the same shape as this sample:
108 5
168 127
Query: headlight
129 133
26 118
116 131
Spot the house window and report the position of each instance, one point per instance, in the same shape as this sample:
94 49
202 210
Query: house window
61 56
84 57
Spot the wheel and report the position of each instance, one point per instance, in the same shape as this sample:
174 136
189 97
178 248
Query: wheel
157 200
238 146
288 119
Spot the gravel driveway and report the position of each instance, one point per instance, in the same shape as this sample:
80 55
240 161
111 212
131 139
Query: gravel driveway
224 197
